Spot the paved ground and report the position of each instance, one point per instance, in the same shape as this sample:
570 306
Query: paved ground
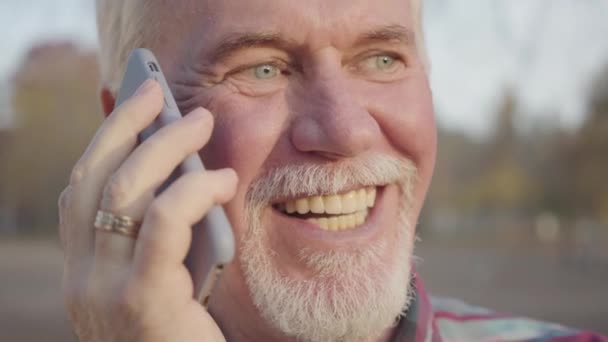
529 283
31 306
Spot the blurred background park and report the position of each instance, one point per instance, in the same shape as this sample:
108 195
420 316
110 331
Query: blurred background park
516 219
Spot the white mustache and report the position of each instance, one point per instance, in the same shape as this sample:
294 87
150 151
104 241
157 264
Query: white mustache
319 179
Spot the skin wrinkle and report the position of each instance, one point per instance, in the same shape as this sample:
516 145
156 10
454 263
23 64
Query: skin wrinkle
332 123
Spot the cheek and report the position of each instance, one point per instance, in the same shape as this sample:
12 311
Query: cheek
406 116
413 129
245 133
405 113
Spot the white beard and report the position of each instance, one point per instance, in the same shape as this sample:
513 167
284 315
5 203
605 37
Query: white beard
353 295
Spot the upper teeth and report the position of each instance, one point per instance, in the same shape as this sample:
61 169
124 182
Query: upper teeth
350 202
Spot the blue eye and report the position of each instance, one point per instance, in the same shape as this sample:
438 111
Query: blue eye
384 62
266 71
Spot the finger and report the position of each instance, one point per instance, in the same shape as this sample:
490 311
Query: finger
166 232
113 142
63 207
131 188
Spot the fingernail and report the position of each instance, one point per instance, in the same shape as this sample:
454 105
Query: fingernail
144 87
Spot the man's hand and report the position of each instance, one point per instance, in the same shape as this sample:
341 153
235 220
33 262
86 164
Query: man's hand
119 288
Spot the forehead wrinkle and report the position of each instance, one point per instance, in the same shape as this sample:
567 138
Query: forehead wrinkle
308 29
335 27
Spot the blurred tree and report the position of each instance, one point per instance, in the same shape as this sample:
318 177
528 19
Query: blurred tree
502 183
455 169
6 205
457 157
477 180
56 108
547 160
589 155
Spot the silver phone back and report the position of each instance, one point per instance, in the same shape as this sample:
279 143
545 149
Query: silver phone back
212 238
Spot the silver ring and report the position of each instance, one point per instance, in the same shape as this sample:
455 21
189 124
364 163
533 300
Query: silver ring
121 224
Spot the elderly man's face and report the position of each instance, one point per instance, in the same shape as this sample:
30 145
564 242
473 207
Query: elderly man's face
312 99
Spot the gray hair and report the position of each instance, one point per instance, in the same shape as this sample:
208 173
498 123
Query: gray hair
128 24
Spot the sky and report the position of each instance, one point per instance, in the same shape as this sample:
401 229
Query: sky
548 51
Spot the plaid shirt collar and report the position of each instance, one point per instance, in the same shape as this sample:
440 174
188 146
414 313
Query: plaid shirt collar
418 324
443 321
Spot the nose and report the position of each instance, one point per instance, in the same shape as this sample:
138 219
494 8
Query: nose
330 121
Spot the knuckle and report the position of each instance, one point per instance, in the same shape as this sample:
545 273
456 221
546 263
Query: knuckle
78 173
75 299
158 214
129 300
63 202
115 191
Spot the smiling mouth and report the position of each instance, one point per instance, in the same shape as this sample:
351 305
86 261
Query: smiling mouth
337 212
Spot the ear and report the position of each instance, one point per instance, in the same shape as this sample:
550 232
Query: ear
107 101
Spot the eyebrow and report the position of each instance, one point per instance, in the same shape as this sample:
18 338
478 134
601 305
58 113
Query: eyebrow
395 33
240 41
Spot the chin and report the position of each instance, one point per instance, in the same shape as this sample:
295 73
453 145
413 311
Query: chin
341 281
346 295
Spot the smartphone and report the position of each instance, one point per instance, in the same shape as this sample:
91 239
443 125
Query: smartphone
212 238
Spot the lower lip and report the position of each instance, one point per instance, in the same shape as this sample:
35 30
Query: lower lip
303 230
